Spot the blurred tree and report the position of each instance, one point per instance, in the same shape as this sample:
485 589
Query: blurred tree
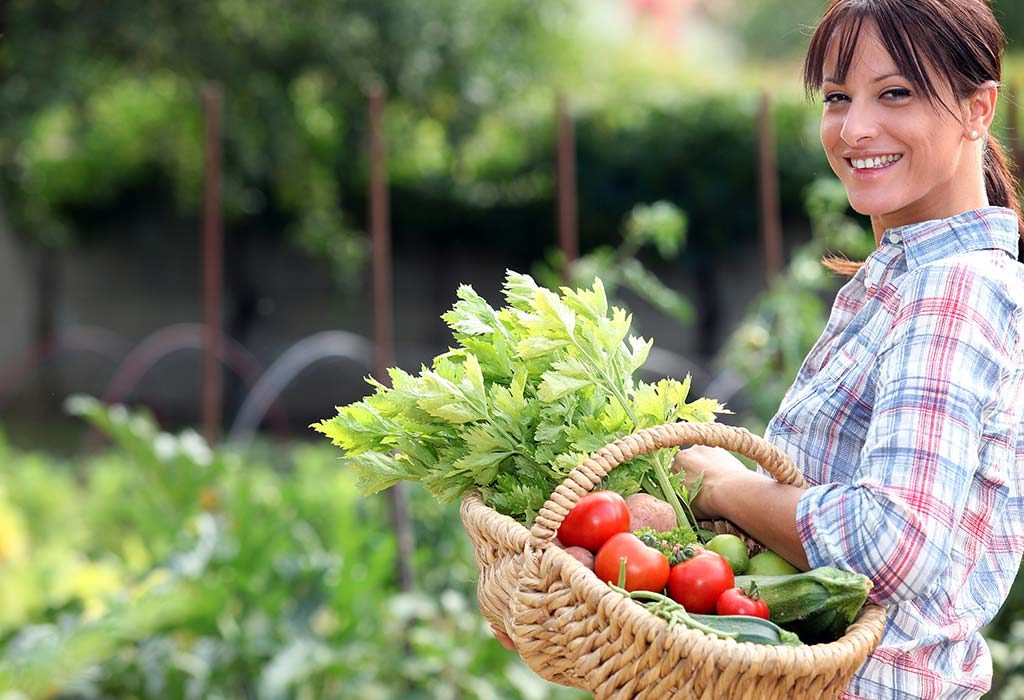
781 28
770 29
101 106
1010 14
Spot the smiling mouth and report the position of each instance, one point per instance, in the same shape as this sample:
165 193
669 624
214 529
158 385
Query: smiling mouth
874 163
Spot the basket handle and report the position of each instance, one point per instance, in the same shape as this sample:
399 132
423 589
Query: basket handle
585 477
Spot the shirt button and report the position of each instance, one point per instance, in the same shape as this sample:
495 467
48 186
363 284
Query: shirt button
895 237
871 279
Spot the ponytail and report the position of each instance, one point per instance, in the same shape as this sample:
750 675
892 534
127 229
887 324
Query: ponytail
1002 186
841 266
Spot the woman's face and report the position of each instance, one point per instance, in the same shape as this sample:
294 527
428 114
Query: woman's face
901 158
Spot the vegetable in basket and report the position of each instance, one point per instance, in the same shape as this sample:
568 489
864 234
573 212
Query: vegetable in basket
818 604
672 543
741 628
647 511
698 580
769 563
736 601
733 549
636 566
529 391
595 518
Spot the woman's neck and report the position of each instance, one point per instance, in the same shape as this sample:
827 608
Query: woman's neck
940 203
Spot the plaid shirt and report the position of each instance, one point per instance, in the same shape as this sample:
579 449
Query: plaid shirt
907 419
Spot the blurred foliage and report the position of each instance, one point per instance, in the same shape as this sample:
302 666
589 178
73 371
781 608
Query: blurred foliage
660 225
1005 636
770 29
103 118
1010 14
277 582
768 347
101 102
160 568
665 149
640 145
1008 651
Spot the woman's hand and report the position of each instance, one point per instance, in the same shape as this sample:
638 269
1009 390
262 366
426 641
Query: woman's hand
754 502
717 465
505 640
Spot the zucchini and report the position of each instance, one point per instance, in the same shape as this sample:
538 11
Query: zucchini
748 629
818 604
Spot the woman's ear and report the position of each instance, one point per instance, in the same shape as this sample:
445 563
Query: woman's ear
981 108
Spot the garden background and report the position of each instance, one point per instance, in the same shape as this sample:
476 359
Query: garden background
145 553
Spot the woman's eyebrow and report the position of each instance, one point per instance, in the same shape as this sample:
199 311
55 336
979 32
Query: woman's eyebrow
896 74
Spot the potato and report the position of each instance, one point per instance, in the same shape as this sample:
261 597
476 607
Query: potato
583 556
647 511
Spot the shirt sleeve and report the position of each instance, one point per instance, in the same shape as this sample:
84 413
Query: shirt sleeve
937 371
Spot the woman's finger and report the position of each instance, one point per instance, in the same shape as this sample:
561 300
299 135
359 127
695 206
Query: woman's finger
505 640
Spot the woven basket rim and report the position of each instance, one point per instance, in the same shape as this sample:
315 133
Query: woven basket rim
585 477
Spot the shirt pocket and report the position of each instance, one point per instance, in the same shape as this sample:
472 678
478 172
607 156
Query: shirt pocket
836 393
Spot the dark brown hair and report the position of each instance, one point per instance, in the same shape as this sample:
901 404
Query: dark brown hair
958 41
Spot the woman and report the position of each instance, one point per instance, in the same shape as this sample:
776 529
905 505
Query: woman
906 416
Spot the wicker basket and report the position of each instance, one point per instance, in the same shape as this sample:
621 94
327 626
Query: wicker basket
572 629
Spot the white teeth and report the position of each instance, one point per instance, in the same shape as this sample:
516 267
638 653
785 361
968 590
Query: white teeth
876 162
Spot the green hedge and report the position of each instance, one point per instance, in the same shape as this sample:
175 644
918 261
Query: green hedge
490 188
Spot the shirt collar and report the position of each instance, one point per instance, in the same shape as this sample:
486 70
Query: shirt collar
979 229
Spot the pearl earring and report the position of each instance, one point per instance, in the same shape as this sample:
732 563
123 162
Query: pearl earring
974 134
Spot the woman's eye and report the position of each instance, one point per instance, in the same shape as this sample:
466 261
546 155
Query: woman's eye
896 93
833 97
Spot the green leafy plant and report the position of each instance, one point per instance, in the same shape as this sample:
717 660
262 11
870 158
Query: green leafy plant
263 574
660 225
529 392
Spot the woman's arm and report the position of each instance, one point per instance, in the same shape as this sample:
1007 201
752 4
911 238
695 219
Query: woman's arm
752 501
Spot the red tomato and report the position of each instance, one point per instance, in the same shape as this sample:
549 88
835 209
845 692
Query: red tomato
697 582
646 568
595 517
735 601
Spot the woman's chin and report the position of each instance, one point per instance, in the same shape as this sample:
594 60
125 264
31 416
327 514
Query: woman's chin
870 207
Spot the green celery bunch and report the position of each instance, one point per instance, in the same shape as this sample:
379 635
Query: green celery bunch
529 392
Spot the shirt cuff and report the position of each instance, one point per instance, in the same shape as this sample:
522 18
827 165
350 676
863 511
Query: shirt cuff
808 527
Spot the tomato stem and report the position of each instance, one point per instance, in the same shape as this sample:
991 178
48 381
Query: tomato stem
622 572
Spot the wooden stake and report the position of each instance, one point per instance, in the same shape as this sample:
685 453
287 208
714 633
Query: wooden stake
568 227
380 232
771 219
213 263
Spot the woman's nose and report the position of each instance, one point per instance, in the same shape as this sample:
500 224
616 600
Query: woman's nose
860 123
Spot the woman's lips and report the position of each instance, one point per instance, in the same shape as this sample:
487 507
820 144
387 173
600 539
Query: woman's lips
871 173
